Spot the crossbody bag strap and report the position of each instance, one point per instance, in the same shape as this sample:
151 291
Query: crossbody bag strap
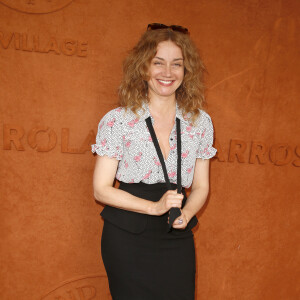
158 151
174 211
178 156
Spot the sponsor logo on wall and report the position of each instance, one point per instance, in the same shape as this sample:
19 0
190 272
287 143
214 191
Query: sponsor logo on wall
36 6
90 287
44 139
42 44
37 43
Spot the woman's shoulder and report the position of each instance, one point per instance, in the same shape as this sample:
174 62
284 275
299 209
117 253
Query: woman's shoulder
119 118
114 113
120 113
203 119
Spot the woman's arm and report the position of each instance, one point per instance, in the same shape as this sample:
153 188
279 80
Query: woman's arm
198 195
104 175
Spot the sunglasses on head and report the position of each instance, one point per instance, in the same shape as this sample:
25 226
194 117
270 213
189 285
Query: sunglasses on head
155 26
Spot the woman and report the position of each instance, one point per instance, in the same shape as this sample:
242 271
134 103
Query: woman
156 141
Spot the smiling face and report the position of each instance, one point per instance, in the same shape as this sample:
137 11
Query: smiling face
166 70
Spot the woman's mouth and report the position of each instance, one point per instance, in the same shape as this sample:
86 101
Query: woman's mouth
165 82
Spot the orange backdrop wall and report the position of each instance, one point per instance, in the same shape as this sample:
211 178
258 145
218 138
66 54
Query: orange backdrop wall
60 66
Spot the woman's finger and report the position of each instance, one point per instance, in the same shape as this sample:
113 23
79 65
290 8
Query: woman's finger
180 222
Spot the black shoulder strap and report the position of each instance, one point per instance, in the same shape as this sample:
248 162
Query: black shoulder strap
174 211
160 156
178 133
158 150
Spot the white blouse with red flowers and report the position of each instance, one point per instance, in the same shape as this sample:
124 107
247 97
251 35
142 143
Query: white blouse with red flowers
123 136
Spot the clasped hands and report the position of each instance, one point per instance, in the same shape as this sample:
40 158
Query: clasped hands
172 199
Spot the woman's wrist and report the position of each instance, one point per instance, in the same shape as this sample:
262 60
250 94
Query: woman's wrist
188 215
152 208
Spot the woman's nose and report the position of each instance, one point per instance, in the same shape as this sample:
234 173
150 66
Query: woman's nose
167 71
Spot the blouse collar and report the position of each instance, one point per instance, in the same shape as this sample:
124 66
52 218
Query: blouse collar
144 113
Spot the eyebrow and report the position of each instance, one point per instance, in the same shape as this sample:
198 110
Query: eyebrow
173 59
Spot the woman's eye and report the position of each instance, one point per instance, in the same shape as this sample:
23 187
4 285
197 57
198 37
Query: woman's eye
177 65
157 63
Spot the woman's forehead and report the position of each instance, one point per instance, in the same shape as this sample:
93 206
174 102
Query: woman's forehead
168 49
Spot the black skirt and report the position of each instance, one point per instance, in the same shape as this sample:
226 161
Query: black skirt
155 264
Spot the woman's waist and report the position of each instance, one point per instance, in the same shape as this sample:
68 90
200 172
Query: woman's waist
152 192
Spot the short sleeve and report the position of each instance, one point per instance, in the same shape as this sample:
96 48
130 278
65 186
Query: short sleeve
206 134
109 136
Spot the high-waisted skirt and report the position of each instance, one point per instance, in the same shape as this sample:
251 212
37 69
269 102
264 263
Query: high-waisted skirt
155 264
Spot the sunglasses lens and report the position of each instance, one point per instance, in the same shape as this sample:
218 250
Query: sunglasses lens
179 28
155 26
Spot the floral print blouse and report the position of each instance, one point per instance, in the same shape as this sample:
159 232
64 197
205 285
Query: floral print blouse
123 136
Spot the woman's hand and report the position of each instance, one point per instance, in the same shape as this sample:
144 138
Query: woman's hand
181 222
168 200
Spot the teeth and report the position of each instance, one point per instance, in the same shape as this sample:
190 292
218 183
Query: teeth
164 81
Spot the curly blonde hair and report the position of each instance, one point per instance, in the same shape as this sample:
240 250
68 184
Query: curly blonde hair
133 88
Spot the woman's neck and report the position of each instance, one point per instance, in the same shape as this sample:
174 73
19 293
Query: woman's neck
162 107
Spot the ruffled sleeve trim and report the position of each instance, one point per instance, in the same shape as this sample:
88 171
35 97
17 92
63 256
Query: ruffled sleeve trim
206 133
206 152
109 135
102 150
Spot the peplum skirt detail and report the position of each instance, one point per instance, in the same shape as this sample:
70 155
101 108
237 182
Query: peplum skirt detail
154 264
